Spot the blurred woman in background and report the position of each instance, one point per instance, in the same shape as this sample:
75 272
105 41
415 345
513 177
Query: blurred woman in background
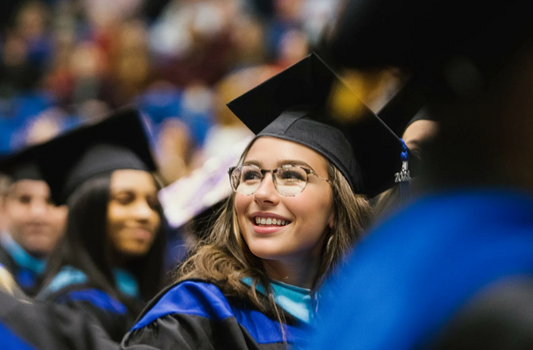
110 260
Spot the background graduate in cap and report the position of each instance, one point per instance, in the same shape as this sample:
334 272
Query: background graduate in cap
298 206
34 223
471 63
110 259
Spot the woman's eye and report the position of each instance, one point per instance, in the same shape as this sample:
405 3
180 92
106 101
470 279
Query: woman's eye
25 199
124 198
290 175
251 175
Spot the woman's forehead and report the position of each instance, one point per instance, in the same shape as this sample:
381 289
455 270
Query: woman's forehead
132 180
272 151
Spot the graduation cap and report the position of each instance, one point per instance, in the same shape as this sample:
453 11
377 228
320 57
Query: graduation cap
20 166
415 33
117 142
450 48
295 106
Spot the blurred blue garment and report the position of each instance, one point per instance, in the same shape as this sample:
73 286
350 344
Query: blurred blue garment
7 128
69 276
29 104
168 102
416 269
275 32
74 289
27 270
16 113
40 51
160 103
199 125
11 341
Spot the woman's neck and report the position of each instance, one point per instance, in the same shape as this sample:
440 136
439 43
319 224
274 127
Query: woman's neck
301 273
120 260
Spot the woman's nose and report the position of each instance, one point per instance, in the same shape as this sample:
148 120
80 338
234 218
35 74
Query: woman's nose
143 211
267 193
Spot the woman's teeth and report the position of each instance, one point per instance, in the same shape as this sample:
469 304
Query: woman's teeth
270 221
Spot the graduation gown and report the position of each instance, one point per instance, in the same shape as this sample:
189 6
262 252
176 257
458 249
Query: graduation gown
413 273
26 270
26 326
72 289
197 315
12 341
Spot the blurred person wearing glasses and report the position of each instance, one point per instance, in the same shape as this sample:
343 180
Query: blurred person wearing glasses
298 207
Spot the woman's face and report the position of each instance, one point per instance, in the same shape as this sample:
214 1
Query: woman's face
132 219
308 216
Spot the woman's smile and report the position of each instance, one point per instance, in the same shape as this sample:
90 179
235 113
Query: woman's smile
267 223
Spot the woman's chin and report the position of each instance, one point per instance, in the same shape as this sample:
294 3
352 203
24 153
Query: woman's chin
267 254
135 250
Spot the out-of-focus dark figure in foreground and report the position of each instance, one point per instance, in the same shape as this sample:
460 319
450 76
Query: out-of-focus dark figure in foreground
499 318
471 63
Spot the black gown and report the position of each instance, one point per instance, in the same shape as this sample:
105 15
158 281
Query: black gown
79 294
27 326
196 315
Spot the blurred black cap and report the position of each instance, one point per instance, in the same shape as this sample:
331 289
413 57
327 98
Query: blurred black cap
117 142
20 166
423 34
295 106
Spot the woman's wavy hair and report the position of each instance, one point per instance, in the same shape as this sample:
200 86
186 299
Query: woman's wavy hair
86 245
223 258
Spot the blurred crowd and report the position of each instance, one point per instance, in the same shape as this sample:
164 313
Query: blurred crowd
66 62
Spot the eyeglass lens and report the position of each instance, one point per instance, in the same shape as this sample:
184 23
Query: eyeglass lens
289 180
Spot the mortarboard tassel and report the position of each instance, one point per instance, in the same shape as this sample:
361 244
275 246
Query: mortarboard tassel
404 176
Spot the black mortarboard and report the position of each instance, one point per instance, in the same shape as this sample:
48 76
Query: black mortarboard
117 142
417 33
19 166
450 48
294 106
422 114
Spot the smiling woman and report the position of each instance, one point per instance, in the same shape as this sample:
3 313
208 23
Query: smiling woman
132 217
110 259
298 208
291 252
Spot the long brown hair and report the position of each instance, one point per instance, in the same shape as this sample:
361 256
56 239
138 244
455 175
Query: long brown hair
224 259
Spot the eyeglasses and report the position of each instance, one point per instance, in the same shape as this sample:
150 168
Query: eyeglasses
289 180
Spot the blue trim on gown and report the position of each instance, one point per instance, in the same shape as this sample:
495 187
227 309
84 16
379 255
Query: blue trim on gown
206 300
10 341
29 269
295 300
69 276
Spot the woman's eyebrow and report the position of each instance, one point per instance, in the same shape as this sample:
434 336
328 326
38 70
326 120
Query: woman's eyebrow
280 162
252 162
293 162
122 190
131 191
